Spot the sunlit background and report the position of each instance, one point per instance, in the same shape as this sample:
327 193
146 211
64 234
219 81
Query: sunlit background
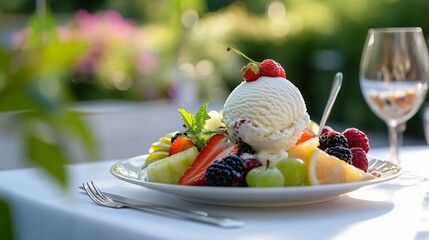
163 51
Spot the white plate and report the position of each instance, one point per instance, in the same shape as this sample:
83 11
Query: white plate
130 171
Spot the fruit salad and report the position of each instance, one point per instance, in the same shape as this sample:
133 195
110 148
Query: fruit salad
263 137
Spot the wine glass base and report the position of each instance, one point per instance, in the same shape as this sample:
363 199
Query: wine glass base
409 178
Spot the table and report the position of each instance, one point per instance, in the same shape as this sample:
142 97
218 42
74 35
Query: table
42 210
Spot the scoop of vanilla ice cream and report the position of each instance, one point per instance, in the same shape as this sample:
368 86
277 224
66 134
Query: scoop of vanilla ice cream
269 114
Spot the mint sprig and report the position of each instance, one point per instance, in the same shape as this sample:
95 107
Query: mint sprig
195 125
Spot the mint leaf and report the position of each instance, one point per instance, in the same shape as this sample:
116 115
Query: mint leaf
187 118
201 117
195 125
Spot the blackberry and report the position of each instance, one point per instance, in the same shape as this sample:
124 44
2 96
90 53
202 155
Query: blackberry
235 162
341 152
245 148
331 139
227 172
219 174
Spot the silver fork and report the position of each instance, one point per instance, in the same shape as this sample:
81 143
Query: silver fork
101 199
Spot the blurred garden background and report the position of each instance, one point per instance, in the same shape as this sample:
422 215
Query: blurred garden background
57 57
61 54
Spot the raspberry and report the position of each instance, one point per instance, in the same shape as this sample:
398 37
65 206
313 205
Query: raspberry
332 139
227 172
250 163
326 129
340 152
357 138
359 158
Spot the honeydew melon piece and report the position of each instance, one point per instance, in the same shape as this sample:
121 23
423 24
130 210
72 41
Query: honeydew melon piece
170 169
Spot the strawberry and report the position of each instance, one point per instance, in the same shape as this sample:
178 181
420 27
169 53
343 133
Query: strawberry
181 143
267 68
271 68
250 72
217 147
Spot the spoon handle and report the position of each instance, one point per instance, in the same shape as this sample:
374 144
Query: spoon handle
336 85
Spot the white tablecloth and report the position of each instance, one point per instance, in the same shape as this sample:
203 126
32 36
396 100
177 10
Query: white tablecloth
42 210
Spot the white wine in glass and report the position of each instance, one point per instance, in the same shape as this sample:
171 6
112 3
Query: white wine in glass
394 74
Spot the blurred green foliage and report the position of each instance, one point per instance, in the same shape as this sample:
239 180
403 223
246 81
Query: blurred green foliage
6 221
33 88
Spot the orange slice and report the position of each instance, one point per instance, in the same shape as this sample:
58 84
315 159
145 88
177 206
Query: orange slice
304 150
327 169
306 135
324 168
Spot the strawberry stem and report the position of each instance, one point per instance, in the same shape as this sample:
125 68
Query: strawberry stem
240 53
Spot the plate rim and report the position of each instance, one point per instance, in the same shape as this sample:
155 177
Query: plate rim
183 192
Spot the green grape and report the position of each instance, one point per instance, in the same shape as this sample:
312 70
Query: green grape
252 176
265 176
294 171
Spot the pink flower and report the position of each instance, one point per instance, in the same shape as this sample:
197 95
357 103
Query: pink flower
17 38
108 24
146 63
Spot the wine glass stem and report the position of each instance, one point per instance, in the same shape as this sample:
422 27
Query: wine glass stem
393 142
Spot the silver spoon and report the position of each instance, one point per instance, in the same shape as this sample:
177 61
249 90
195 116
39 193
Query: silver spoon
336 85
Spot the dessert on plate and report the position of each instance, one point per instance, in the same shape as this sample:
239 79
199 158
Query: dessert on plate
263 137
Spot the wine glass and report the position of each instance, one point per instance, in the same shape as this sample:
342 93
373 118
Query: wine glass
394 73
426 122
